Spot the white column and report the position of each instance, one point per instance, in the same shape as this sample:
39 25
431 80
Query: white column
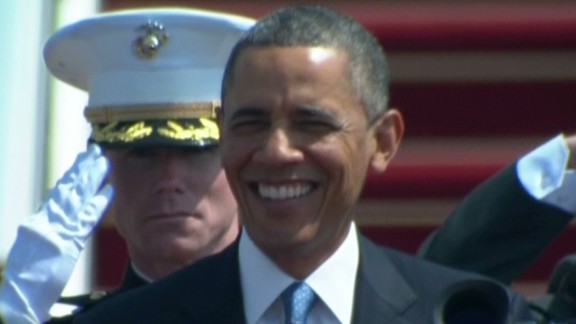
68 131
42 127
22 117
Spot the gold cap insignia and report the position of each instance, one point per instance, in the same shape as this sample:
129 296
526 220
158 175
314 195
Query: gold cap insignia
148 45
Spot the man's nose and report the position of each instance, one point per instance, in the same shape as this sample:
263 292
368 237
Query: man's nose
279 148
170 168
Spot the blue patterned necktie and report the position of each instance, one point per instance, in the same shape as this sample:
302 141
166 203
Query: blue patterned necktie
298 300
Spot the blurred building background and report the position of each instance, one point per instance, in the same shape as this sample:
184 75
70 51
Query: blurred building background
479 83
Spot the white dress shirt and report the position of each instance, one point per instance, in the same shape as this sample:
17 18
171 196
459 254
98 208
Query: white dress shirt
333 282
544 176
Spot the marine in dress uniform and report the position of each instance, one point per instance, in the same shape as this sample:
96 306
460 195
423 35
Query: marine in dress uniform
153 77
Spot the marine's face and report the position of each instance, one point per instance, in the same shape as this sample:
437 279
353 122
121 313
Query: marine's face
296 146
171 205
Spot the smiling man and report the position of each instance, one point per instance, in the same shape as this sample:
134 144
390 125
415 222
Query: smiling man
307 143
304 117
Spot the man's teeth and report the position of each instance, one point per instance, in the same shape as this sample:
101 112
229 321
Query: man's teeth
283 192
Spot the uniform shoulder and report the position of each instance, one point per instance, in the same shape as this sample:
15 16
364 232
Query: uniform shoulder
79 303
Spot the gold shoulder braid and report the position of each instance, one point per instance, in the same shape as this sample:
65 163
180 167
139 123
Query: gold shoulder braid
189 131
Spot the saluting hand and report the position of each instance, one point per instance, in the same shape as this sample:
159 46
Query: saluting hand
49 242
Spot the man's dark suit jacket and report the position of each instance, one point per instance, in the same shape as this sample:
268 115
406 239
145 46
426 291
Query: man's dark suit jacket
391 287
497 231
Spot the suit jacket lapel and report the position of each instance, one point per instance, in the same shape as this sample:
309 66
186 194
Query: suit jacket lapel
382 294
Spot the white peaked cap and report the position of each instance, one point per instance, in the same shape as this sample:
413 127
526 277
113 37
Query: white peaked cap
146 64
98 55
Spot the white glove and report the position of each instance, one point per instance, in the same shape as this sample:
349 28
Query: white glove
49 242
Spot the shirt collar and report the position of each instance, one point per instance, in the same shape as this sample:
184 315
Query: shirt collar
262 281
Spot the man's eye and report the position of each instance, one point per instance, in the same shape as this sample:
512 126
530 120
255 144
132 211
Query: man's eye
249 124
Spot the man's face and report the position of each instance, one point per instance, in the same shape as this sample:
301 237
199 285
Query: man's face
296 146
172 205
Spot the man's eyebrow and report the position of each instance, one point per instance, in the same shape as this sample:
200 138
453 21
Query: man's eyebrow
314 112
248 112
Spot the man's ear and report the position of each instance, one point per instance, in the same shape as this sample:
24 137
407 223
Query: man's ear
389 130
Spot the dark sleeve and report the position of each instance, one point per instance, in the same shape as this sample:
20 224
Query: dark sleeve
498 230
